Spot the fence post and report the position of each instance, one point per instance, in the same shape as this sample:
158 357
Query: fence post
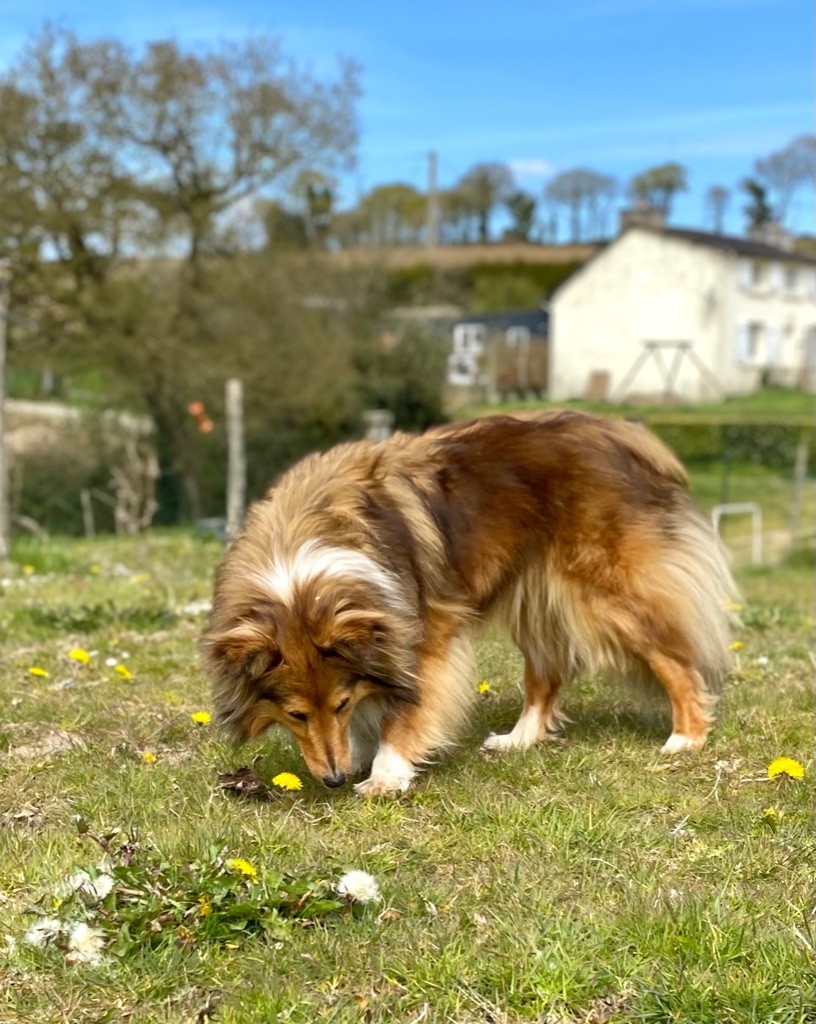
236 456
5 499
799 477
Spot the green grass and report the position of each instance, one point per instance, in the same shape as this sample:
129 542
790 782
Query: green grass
590 881
778 404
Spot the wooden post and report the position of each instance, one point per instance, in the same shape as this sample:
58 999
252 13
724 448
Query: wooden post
5 500
236 457
799 477
87 512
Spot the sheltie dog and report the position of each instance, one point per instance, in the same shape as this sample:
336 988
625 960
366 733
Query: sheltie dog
345 609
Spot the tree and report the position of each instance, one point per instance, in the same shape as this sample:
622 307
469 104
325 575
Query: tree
716 201
486 186
116 153
658 186
585 195
391 215
458 216
758 211
522 208
783 172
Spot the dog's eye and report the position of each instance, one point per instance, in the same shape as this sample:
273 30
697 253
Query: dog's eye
341 705
329 652
299 716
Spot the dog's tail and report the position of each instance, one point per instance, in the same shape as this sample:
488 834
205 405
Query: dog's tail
696 579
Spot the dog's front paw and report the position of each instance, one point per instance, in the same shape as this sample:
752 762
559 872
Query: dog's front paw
381 786
391 773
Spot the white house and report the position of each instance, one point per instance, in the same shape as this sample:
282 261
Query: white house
667 311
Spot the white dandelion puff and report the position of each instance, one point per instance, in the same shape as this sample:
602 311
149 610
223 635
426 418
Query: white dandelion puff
85 944
359 887
43 932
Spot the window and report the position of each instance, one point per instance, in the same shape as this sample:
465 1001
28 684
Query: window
791 280
756 332
757 273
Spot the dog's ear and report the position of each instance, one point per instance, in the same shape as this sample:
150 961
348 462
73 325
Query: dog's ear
244 652
377 643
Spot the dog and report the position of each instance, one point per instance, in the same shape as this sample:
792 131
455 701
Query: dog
345 610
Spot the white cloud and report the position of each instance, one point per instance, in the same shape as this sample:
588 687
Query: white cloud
525 168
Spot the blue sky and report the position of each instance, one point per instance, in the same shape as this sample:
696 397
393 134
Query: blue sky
616 85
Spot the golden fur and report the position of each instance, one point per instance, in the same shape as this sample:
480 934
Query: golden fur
345 609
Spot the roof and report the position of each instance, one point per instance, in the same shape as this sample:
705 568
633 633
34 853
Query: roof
535 320
730 243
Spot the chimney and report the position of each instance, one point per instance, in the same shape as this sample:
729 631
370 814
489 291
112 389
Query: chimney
774 234
642 215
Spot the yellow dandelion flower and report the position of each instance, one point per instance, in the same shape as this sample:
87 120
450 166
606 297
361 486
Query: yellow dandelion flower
79 654
286 780
735 646
785 766
733 606
149 756
205 907
95 570
201 717
35 670
483 687
123 671
243 867
29 570
769 814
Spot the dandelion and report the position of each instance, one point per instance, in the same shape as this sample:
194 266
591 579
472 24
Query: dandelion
243 867
35 670
201 717
43 932
95 570
763 660
123 671
359 887
770 815
149 757
79 654
85 945
733 606
483 688
786 766
205 907
286 780
735 646
29 570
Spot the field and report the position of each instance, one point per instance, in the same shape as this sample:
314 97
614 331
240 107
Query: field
591 881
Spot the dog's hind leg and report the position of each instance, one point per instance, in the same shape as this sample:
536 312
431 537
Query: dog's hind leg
689 703
539 719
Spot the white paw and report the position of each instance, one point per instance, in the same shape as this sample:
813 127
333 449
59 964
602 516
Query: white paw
677 742
505 741
390 773
381 786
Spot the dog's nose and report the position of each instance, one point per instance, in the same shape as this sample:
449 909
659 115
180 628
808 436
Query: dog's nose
333 781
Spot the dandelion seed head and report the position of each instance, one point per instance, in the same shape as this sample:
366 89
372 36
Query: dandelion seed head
359 887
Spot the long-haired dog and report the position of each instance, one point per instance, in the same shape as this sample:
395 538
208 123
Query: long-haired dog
345 609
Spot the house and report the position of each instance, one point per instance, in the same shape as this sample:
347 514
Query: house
674 313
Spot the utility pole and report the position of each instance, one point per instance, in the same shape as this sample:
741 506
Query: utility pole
432 235
5 501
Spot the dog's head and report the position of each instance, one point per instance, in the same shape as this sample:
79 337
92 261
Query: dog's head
303 648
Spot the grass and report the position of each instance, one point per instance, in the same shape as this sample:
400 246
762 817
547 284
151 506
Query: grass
768 404
590 881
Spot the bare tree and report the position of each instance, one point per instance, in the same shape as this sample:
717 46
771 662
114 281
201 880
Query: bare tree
486 186
785 171
716 203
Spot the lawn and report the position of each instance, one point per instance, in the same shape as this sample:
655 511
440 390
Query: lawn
592 880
